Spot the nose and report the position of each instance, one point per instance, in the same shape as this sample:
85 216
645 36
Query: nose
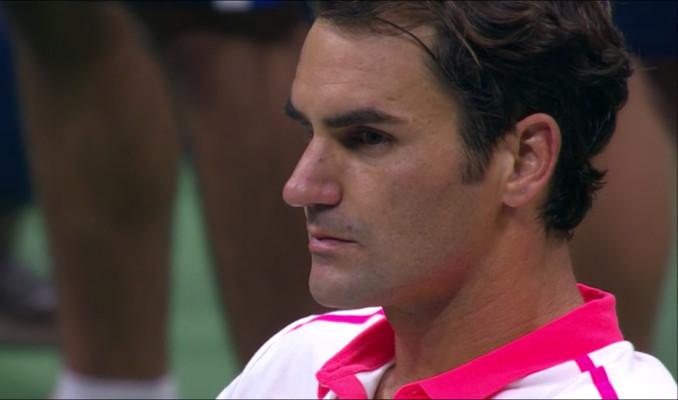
315 180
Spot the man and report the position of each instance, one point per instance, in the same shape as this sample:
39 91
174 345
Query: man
448 163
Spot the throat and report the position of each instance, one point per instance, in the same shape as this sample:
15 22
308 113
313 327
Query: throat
432 340
387 385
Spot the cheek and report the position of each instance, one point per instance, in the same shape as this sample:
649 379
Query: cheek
423 246
425 209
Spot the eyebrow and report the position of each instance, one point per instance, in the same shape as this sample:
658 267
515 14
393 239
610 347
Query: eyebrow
359 116
295 114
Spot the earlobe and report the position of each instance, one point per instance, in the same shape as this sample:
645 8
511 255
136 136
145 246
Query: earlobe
536 148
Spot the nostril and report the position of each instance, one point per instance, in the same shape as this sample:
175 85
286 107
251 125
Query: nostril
330 193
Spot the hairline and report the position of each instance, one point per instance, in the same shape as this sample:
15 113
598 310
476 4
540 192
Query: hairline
473 167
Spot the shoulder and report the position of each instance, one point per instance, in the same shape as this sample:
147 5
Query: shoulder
618 371
614 371
286 364
633 374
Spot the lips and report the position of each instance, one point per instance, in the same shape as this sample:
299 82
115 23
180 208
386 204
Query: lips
319 241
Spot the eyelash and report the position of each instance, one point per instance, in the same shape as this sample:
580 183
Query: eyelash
365 137
361 137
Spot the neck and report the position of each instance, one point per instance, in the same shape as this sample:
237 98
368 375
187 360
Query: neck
527 289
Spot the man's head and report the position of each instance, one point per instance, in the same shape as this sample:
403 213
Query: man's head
432 122
505 60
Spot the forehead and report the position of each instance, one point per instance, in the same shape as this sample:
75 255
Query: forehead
340 69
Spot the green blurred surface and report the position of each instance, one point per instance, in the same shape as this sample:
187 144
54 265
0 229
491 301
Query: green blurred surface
202 356
202 360
27 372
665 343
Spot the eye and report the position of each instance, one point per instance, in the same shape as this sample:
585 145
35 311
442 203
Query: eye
366 137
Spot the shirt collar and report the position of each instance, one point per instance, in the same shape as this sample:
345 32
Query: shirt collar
587 328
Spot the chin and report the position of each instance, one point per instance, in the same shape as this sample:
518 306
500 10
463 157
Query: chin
334 295
341 285
330 299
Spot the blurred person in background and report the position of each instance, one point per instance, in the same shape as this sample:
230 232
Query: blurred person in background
108 90
27 303
624 243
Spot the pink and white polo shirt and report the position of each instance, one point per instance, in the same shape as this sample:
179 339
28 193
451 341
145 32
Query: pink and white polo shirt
344 354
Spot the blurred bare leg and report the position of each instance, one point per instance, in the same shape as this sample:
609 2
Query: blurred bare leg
624 242
234 89
103 148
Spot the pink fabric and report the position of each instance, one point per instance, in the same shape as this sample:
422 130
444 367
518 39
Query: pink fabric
599 377
344 319
583 330
349 386
369 350
585 364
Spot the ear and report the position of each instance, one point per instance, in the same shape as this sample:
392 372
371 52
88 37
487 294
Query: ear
536 144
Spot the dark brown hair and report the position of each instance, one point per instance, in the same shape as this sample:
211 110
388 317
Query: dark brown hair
504 60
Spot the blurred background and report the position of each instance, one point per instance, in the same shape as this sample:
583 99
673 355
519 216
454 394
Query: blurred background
203 358
142 155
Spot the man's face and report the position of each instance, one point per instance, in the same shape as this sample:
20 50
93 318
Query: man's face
389 219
